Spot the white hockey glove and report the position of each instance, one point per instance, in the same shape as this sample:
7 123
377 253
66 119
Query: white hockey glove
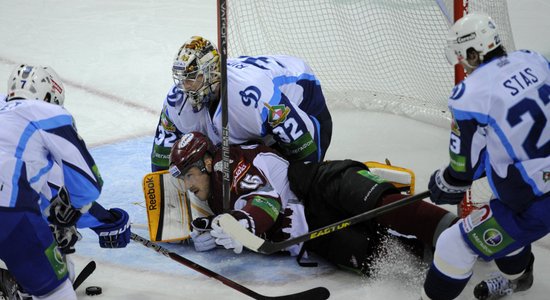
224 239
202 239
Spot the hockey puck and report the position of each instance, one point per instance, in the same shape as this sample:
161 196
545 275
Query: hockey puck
93 290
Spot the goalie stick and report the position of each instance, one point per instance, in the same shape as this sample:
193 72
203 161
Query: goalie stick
84 274
319 293
257 244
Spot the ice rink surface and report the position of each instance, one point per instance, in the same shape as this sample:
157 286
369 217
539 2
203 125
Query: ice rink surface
115 58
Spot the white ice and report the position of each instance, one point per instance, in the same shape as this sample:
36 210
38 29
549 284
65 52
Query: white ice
115 59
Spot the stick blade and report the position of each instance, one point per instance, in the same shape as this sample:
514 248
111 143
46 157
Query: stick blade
318 293
84 274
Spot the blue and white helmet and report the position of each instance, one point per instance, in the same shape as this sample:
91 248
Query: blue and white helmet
36 82
475 30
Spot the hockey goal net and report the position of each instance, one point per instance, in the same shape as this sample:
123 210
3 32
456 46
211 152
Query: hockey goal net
382 55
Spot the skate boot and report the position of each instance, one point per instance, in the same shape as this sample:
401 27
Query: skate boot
498 286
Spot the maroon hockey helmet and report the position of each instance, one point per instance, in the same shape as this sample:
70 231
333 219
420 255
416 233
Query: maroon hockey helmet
189 151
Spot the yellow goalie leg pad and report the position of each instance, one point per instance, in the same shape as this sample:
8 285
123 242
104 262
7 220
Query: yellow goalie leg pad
401 178
168 210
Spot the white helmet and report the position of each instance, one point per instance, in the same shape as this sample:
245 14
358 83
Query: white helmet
36 82
475 30
197 57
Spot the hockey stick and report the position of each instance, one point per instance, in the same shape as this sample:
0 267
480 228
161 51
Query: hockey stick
257 244
84 274
320 293
222 43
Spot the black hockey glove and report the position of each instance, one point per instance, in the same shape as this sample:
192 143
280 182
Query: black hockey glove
202 224
444 193
66 238
61 212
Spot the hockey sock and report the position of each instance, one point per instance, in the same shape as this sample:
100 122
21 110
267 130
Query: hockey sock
515 264
441 287
421 219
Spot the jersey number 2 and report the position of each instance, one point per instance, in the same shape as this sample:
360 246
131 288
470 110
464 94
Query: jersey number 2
531 106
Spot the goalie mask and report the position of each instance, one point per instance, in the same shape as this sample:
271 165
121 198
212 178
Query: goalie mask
196 71
474 31
36 82
189 152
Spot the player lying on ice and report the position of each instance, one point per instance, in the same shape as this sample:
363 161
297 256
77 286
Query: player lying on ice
277 201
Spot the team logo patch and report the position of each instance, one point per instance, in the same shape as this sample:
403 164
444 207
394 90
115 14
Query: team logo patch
167 124
545 176
250 94
454 126
240 170
277 114
492 237
458 91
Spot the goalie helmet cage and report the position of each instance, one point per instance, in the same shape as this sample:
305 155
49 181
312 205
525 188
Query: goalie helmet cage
381 55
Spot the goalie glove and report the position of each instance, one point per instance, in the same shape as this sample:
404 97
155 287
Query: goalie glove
442 192
60 212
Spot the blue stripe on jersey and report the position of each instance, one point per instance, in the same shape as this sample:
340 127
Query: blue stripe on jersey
27 133
26 196
317 136
485 119
69 134
83 189
43 171
282 80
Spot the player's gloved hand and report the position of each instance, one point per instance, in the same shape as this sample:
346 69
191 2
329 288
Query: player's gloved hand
60 212
117 233
66 238
444 193
202 239
224 239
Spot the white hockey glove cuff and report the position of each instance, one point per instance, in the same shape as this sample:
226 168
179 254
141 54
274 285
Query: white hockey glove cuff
224 239
443 192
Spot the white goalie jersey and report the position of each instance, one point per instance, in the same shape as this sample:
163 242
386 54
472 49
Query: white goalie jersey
270 98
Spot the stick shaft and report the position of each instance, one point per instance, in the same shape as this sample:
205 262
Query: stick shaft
319 293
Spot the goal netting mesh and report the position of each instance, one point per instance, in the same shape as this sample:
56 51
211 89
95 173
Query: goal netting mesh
381 55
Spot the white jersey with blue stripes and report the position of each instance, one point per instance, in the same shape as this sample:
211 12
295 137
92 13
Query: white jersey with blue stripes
501 113
38 143
269 97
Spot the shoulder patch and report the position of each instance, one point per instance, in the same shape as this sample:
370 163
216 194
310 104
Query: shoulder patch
458 91
277 114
